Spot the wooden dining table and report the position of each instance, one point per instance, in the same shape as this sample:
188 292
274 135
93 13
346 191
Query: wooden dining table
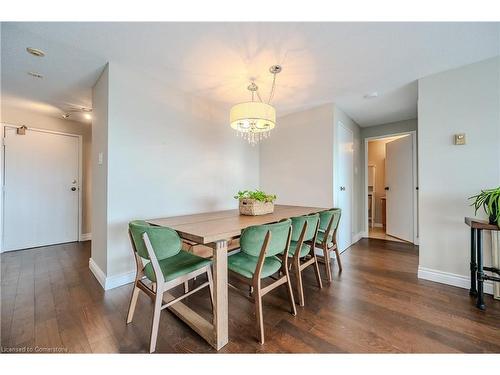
216 230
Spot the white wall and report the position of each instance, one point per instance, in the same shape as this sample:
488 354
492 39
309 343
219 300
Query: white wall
405 126
169 153
18 116
100 97
466 100
296 163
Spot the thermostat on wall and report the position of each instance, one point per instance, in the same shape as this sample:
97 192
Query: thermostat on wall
459 139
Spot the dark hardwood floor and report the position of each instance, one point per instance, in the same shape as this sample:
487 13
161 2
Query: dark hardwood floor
50 299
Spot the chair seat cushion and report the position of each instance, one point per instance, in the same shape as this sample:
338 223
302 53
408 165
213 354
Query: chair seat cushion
320 237
245 265
176 266
293 247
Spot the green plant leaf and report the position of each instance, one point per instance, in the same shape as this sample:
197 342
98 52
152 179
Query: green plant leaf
489 199
258 195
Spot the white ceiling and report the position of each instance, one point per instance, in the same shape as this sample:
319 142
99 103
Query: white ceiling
322 62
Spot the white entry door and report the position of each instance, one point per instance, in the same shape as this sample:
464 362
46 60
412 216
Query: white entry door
399 188
41 189
344 186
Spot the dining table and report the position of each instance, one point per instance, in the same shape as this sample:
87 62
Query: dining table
215 230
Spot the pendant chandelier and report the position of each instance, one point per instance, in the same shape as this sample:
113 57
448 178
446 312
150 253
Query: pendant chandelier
254 120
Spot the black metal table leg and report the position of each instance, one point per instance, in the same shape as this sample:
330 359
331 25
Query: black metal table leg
480 272
473 264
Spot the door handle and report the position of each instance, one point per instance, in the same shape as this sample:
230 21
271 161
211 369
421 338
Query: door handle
342 188
73 188
386 188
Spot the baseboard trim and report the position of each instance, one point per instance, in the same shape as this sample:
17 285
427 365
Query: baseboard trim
85 237
110 282
119 280
450 279
98 273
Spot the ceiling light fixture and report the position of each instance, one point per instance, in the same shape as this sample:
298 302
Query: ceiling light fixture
35 74
371 95
35 52
88 116
254 120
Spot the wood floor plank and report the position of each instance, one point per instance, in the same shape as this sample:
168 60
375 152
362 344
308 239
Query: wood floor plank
50 299
47 335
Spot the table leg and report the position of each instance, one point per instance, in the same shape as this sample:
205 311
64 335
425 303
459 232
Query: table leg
473 264
216 334
221 325
480 272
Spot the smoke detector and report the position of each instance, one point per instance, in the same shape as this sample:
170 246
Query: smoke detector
35 52
35 74
371 95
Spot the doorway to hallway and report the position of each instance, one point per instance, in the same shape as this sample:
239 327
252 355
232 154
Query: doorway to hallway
391 188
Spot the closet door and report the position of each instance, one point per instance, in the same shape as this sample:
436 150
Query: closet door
345 170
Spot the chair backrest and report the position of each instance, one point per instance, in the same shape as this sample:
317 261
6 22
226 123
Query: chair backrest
165 241
326 217
298 224
252 238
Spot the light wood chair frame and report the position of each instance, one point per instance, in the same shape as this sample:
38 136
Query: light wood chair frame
257 291
299 263
327 247
156 290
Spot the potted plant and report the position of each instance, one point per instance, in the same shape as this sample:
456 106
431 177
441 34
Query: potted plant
490 200
255 202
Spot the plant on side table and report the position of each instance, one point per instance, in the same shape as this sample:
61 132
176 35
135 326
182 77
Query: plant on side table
490 200
255 202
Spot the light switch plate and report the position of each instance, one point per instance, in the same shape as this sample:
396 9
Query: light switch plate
459 139
99 158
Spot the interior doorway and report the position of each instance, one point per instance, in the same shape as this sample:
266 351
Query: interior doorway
391 187
41 202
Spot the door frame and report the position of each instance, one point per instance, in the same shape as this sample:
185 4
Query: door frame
336 185
413 134
2 177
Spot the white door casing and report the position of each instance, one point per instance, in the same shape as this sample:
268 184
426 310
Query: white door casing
41 200
399 188
344 185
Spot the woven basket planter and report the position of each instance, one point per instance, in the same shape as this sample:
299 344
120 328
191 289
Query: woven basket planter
252 207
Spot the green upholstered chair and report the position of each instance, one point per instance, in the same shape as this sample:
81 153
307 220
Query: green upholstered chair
161 266
264 252
304 234
327 238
